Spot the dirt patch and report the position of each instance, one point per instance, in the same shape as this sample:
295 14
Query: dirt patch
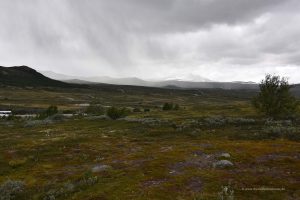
154 182
278 157
195 184
199 160
166 149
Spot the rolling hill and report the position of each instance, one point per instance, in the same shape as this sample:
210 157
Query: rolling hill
26 76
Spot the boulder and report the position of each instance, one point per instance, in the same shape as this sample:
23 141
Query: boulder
222 164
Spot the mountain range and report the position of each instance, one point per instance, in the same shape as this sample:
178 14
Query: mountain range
23 76
181 82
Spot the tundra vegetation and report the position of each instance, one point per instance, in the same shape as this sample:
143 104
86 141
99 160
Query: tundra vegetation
118 143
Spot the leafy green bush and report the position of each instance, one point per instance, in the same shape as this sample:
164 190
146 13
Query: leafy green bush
170 106
136 110
147 110
68 112
275 99
51 110
116 113
167 106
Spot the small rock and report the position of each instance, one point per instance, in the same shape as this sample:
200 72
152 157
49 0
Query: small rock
166 149
222 164
225 155
100 168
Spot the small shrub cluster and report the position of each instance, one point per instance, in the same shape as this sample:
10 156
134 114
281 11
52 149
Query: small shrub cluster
278 123
95 109
149 121
34 123
240 121
116 113
170 106
212 122
9 118
227 192
68 111
279 131
69 188
45 121
10 190
89 181
187 125
273 130
136 110
17 162
51 110
53 194
221 121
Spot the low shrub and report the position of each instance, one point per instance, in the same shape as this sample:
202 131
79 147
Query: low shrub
68 111
167 106
136 110
10 190
170 106
45 121
95 109
116 113
240 121
288 132
214 121
17 162
222 121
71 187
51 110
34 123
278 122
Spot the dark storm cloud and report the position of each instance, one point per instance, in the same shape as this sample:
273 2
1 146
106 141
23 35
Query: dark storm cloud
167 16
152 38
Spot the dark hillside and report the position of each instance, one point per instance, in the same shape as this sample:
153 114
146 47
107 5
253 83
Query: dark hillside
25 76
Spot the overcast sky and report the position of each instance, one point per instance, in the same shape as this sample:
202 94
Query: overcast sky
222 40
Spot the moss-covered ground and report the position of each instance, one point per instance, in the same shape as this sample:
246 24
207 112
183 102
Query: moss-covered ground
163 160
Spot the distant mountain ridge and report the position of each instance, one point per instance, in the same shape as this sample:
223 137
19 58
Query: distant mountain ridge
26 76
98 79
178 83
23 76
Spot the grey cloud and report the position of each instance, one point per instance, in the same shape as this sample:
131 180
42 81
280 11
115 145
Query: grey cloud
174 15
141 37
